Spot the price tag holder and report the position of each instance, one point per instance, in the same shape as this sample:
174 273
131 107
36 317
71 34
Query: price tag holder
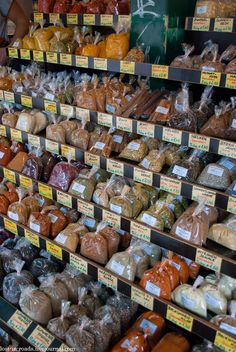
26 101
115 167
91 159
68 152
54 18
201 24
145 129
45 191
3 131
197 141
25 54
82 114
50 106
227 149
38 16
224 25
208 260
210 78
16 135
200 193
104 119
19 322
13 53
72 18
67 110
107 279
100 64
89 20
38 55
127 67
54 250
32 238
10 226
34 140
143 176
66 59
160 71
81 61
231 207
124 124
1 95
85 208
140 231
64 199
9 97
106 20
111 219
170 185
40 338
52 147
51 58
78 263
171 135
26 182
225 342
179 318
9 175
230 81
142 298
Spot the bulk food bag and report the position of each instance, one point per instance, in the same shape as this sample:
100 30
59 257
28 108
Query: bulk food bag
35 304
151 324
191 298
59 326
203 109
8 258
84 185
62 175
230 133
55 131
6 155
18 211
227 285
26 122
134 341
78 338
58 220
152 250
49 161
135 151
28 40
112 324
72 283
33 167
101 332
104 145
184 61
215 299
126 204
56 291
217 123
13 282
76 312
42 37
172 342
42 267
70 236
27 250
9 119
215 176
69 127
18 162
31 203
192 225
164 109
94 246
117 45
224 233
123 264
230 165
79 137
225 322
206 346
155 160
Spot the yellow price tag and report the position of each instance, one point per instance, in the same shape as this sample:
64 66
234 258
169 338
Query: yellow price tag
143 176
9 175
3 131
9 97
124 124
38 55
45 191
10 226
85 208
91 159
50 106
224 25
26 182
145 129
198 141
78 263
111 219
100 64
32 238
170 185
179 318
72 18
200 193
81 61
104 119
171 135
201 24
82 114
54 18
16 135
19 322
107 279
25 54
230 81
34 140
127 67
160 71
140 231
67 110
227 149
231 207
66 59
52 147
115 167
106 20
13 53
208 260
40 338
210 78
142 298
51 58
89 20
64 199
68 152
54 249
1 95
38 16
225 342
26 101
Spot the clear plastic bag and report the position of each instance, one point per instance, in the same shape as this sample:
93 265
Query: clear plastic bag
43 267
70 236
59 326
113 324
123 264
155 160
215 300
215 176
101 332
18 211
117 45
42 38
135 151
55 131
84 185
225 322
62 176
218 123
184 61
79 339
94 247
27 250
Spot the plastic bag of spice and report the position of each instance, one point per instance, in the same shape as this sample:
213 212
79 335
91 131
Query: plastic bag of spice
18 211
59 326
79 338
62 175
215 176
184 61
55 131
219 122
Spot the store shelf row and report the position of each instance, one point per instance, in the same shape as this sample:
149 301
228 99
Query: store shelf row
25 330
219 25
168 310
121 168
81 19
143 128
128 67
207 258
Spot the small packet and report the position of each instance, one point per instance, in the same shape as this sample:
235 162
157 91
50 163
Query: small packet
59 326
55 131
184 61
135 151
18 211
